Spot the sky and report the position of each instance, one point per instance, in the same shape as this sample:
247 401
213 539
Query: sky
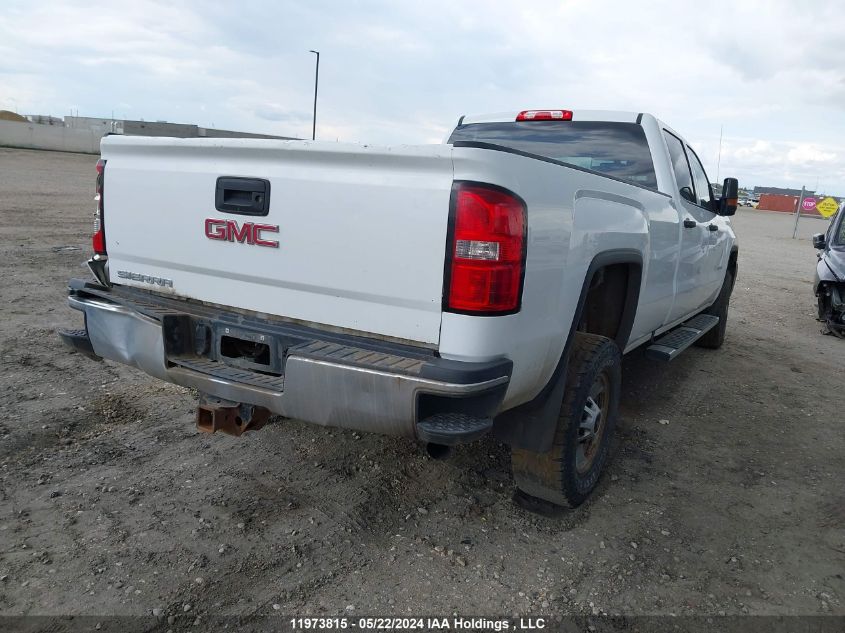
769 74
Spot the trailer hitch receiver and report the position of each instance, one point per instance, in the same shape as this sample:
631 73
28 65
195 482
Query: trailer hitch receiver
232 418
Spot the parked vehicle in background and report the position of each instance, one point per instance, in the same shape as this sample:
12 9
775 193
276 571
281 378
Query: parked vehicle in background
829 284
439 292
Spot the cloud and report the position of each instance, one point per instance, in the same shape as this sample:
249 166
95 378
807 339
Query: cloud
760 152
763 162
404 72
807 153
277 112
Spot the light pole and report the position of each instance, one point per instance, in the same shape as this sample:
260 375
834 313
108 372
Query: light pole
316 83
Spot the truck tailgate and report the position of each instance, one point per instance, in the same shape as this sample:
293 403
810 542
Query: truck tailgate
361 230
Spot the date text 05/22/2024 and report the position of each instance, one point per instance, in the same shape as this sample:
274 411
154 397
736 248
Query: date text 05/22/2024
421 623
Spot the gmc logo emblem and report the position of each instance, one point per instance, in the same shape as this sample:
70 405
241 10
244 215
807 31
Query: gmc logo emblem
249 233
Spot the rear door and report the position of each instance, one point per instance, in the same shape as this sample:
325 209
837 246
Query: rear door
351 237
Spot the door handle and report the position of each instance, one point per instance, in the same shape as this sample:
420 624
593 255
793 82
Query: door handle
690 224
713 227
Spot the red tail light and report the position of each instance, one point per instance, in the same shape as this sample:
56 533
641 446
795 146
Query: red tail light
544 115
98 240
486 256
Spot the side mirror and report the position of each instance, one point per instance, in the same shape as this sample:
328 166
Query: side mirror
730 192
819 241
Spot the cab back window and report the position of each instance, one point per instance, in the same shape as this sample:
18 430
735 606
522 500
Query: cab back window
613 149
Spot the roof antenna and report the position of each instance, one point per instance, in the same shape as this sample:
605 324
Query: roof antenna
719 160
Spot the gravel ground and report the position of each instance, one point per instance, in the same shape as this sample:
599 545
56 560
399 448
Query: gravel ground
724 494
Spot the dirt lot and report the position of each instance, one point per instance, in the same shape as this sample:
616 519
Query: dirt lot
725 492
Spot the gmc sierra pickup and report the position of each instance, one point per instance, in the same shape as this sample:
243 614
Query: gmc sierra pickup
442 292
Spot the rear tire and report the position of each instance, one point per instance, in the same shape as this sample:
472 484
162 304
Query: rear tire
567 473
716 336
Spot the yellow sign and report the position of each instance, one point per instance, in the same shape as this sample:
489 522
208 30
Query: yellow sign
827 207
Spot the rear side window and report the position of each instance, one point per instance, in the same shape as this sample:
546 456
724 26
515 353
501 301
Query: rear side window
613 149
683 176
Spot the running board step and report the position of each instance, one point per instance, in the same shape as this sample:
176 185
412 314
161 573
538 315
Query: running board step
670 345
452 428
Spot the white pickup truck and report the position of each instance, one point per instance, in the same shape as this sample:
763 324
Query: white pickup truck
439 292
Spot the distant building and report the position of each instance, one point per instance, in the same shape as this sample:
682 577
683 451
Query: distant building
159 128
44 119
156 128
101 126
778 191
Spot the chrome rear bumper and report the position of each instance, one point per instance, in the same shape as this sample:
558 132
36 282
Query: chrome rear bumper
325 378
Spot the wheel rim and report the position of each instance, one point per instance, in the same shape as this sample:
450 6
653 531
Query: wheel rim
592 425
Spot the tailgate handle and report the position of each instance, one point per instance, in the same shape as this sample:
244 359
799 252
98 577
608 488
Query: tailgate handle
244 196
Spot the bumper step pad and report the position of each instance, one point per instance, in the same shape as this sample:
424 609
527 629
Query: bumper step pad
227 373
669 346
452 428
78 341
